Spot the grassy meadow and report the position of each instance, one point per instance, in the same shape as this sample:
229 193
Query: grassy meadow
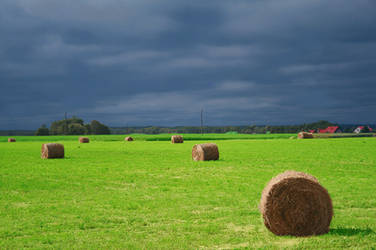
149 194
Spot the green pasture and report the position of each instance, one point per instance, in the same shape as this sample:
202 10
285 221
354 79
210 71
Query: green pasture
149 194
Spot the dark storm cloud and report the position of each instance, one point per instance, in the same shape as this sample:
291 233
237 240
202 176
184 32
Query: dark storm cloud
159 62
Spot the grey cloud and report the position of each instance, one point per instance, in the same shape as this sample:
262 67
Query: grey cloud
160 62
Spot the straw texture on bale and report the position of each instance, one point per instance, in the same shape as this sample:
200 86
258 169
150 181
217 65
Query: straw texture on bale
84 140
305 135
11 140
294 203
205 152
52 150
177 139
128 138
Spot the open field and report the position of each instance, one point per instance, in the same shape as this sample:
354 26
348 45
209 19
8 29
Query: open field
150 194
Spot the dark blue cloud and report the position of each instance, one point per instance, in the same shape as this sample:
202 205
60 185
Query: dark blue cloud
159 62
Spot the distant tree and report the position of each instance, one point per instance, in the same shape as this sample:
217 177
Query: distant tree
76 126
43 130
88 129
76 129
98 128
365 129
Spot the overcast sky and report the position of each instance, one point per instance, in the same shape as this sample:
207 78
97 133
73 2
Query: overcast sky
149 62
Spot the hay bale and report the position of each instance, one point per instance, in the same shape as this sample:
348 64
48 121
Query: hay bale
11 140
52 150
84 140
294 203
128 138
177 139
305 135
205 152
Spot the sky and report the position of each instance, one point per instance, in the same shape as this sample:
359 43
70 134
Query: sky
150 62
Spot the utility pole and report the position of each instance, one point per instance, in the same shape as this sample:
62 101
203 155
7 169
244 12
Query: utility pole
202 121
66 124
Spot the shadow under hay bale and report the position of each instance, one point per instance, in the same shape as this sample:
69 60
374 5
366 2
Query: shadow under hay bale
205 152
305 135
11 140
128 138
294 203
177 139
52 150
84 140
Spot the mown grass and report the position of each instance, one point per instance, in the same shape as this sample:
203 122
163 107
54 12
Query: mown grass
150 194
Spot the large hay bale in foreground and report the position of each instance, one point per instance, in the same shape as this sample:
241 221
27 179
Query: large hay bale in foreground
128 138
52 150
205 152
11 140
84 140
305 135
177 139
294 203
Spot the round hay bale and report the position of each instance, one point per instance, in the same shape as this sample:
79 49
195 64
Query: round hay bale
294 203
305 135
128 138
84 140
11 140
177 139
52 150
205 152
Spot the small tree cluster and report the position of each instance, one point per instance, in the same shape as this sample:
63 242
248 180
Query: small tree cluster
73 126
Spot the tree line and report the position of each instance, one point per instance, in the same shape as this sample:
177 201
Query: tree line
73 126
76 126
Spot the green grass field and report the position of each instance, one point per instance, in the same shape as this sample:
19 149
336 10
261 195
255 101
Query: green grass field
149 194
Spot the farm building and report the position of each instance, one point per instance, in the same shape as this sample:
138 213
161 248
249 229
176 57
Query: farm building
330 130
363 129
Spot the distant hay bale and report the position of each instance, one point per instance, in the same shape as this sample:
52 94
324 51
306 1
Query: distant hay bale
294 203
84 140
177 139
205 152
11 140
128 138
52 150
305 135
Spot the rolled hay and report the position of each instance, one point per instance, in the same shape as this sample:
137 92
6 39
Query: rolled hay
205 152
305 135
294 203
128 138
52 150
84 140
11 140
177 139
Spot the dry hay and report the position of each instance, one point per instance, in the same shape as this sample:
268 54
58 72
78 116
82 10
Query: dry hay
177 139
128 138
205 152
52 150
305 135
84 140
11 140
294 203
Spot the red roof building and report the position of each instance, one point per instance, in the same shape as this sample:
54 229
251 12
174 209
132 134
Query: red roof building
331 130
361 128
